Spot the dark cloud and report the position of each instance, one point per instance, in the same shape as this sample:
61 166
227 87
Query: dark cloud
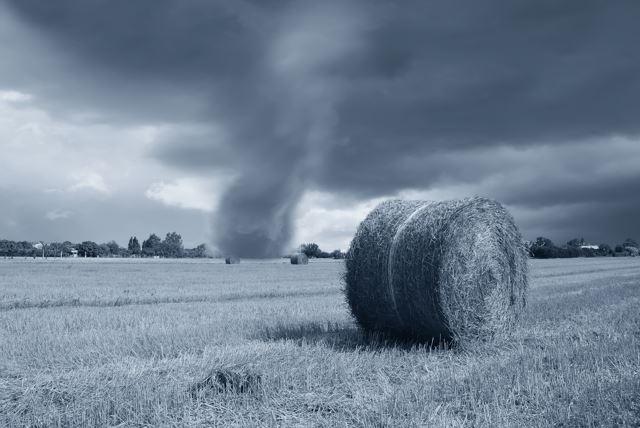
590 220
173 41
368 98
487 74
194 150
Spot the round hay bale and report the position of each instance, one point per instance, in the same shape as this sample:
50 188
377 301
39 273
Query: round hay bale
437 270
232 260
299 259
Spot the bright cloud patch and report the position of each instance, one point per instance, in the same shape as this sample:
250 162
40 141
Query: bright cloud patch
14 96
187 193
91 181
328 220
58 215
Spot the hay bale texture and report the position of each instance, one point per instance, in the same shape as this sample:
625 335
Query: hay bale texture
299 259
437 270
232 260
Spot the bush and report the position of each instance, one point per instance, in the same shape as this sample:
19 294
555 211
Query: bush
88 249
311 249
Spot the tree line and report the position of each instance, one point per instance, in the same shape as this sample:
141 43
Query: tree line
541 248
313 250
171 246
544 248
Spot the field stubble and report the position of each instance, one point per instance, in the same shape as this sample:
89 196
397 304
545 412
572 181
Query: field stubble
146 343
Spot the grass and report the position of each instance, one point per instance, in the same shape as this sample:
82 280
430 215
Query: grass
145 343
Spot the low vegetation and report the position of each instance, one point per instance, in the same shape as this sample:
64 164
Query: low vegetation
153 246
544 248
132 342
312 250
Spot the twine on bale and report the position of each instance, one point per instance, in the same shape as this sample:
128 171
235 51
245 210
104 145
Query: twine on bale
437 270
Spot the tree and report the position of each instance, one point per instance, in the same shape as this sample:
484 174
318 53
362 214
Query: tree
541 241
172 245
570 252
18 249
337 254
152 246
88 249
104 250
25 248
134 246
630 242
57 249
543 248
7 248
67 246
604 250
310 250
114 248
198 252
575 242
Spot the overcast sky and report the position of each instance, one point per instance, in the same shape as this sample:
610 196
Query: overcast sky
257 125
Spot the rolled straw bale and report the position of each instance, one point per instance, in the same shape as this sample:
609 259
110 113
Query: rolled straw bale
299 259
232 260
437 270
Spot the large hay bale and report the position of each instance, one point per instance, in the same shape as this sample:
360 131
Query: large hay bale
232 260
299 259
437 270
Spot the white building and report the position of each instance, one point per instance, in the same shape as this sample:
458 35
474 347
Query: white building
590 247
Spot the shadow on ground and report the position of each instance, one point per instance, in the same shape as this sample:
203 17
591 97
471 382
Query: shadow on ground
341 337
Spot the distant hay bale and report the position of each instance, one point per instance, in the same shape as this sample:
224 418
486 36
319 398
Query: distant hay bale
437 270
232 260
299 259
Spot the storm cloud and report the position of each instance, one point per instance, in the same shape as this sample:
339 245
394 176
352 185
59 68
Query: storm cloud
535 103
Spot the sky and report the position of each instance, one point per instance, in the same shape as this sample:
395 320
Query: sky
258 125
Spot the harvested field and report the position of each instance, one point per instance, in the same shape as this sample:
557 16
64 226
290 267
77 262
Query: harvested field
161 342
